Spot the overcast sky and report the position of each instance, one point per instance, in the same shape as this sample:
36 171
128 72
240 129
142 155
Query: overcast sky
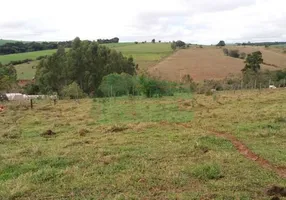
195 21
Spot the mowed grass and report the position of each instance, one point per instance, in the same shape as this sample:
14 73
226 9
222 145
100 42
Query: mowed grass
91 157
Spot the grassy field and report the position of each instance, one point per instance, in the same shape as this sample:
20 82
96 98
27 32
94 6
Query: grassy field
137 148
4 59
26 71
145 55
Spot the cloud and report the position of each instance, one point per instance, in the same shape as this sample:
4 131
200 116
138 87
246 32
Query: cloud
203 21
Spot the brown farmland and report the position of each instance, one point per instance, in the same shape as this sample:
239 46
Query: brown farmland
211 63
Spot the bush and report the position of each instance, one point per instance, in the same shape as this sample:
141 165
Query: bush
73 91
221 43
136 42
234 53
155 88
31 89
118 85
225 51
40 57
242 55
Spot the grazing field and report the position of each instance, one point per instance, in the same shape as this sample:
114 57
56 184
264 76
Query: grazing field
4 59
211 63
26 71
145 55
181 147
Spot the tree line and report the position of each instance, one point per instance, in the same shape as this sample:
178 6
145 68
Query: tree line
106 41
20 47
260 43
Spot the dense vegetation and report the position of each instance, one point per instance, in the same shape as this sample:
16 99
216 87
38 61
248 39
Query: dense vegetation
86 63
106 41
20 47
8 76
260 43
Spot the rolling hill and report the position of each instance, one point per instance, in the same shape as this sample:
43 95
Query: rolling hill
211 63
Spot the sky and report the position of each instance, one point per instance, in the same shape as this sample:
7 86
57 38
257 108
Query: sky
193 21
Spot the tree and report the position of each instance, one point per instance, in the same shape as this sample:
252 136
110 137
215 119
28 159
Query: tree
253 62
86 63
72 91
153 41
173 46
221 44
118 84
180 44
8 76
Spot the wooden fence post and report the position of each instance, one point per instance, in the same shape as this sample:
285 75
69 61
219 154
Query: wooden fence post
31 102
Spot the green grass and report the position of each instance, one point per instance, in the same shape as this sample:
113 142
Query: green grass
4 59
146 156
145 55
26 71
124 110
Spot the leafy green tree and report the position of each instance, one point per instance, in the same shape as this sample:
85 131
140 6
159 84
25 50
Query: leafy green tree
118 84
73 91
173 46
153 40
86 63
8 76
253 61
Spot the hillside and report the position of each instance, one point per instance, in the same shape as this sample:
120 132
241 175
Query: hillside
211 63
137 148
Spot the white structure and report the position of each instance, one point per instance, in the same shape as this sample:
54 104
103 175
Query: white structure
15 96
21 97
272 87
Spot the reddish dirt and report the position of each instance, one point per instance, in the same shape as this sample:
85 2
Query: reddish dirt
211 63
246 152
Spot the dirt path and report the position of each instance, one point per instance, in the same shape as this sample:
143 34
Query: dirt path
246 152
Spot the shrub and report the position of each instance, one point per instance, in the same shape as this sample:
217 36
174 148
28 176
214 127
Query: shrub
221 43
136 42
73 91
40 57
242 55
155 88
225 51
233 53
118 84
31 89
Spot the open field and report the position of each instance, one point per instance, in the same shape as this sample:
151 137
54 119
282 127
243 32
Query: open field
26 71
145 55
180 147
211 63
4 59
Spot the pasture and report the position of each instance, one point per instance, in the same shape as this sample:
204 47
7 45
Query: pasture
180 147
4 59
